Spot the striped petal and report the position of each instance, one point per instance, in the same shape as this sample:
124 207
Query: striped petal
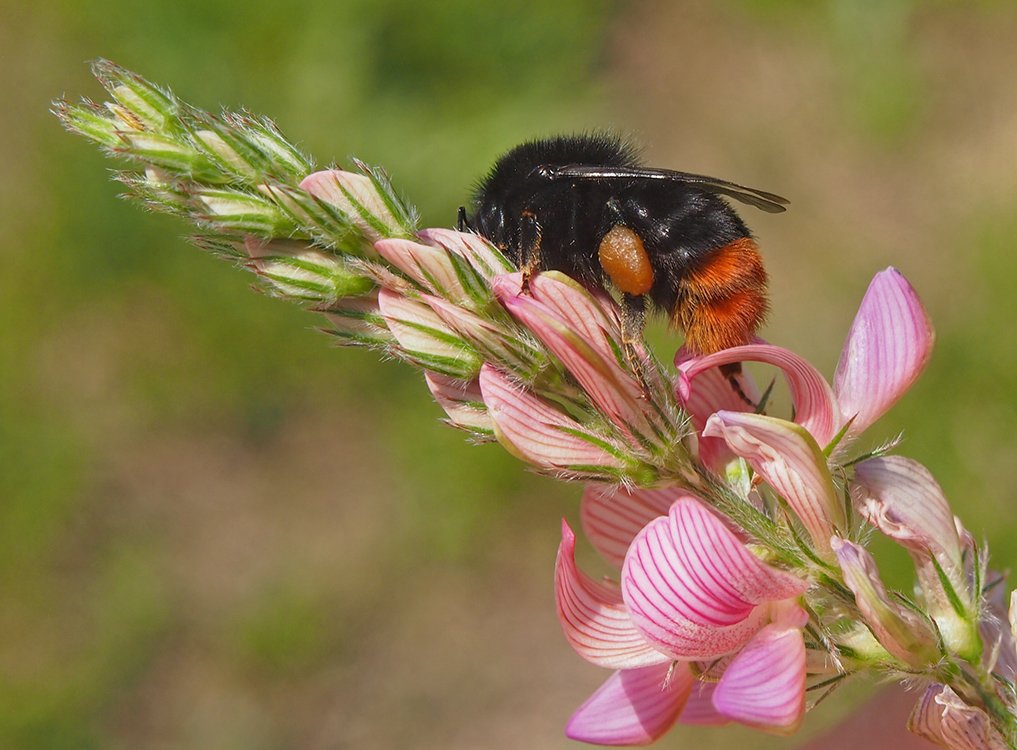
791 462
462 402
612 516
534 431
709 393
899 630
887 348
593 616
424 339
943 718
764 686
483 256
692 586
634 706
570 323
429 266
357 198
699 709
814 405
901 498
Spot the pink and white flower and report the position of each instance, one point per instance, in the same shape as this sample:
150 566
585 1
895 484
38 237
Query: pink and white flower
887 348
691 591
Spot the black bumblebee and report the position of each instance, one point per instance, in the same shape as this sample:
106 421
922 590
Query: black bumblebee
584 205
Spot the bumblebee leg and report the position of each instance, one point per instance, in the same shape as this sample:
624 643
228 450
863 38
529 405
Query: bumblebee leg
633 321
462 223
731 372
529 247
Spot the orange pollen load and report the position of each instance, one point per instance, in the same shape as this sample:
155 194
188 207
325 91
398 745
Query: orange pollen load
624 260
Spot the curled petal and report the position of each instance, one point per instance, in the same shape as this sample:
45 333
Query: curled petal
533 430
790 461
943 718
461 400
425 339
814 404
887 348
356 197
612 516
593 617
764 686
483 256
709 393
901 632
570 323
634 706
692 586
902 499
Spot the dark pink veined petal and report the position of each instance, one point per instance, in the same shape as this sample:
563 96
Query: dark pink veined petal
533 430
634 706
699 710
612 516
764 687
887 348
593 616
692 586
461 400
815 407
709 393
569 322
943 718
791 462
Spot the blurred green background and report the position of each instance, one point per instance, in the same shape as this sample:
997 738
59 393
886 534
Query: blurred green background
216 531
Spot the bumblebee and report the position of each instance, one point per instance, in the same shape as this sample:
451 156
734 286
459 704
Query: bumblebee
585 206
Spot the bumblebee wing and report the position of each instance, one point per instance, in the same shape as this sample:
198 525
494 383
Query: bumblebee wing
761 199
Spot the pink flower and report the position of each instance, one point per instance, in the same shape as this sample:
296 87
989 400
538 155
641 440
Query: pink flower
943 718
691 591
886 350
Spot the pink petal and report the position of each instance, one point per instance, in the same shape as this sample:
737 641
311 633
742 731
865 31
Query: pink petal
790 461
942 717
489 338
424 338
479 252
427 265
357 198
813 400
902 499
887 348
612 516
901 632
461 400
711 392
634 706
692 587
593 617
699 709
534 431
764 687
569 322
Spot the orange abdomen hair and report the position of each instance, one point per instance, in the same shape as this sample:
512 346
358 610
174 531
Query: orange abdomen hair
722 302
